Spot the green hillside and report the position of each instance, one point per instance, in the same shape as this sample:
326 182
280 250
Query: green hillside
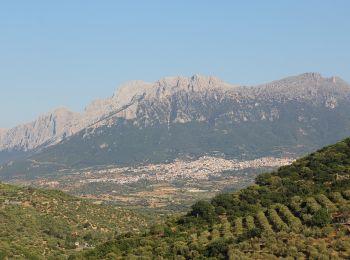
296 212
46 224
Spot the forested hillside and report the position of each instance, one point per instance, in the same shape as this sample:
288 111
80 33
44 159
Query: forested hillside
44 224
298 211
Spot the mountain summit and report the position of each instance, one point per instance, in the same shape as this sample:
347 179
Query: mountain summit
196 115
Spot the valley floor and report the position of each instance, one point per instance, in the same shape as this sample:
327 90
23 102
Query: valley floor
168 187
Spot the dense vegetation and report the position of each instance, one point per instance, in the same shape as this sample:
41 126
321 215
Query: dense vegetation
43 224
298 211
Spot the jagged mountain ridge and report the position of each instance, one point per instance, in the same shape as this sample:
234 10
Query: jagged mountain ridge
179 117
177 100
51 127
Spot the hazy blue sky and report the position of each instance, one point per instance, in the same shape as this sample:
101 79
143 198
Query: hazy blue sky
55 53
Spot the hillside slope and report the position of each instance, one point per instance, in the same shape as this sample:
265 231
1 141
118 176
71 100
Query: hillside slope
298 211
47 224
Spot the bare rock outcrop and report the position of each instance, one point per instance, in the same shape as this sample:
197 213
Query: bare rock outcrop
179 100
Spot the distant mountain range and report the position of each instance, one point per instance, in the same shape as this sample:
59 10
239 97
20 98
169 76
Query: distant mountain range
184 117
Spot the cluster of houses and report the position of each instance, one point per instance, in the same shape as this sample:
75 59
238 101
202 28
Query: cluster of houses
200 169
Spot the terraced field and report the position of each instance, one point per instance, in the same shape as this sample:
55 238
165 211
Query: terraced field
289 223
277 218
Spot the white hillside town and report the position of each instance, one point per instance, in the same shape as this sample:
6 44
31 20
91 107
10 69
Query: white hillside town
202 168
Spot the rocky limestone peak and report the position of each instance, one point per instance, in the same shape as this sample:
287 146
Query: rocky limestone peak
125 93
164 87
61 110
173 99
122 97
2 133
59 119
61 114
310 75
307 86
49 126
311 79
168 86
195 83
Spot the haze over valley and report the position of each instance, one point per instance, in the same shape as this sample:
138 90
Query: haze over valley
175 130
168 143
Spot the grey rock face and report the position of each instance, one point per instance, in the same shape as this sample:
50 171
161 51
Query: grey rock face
180 100
47 128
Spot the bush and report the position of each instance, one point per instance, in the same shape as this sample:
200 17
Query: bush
220 210
217 247
204 210
321 218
